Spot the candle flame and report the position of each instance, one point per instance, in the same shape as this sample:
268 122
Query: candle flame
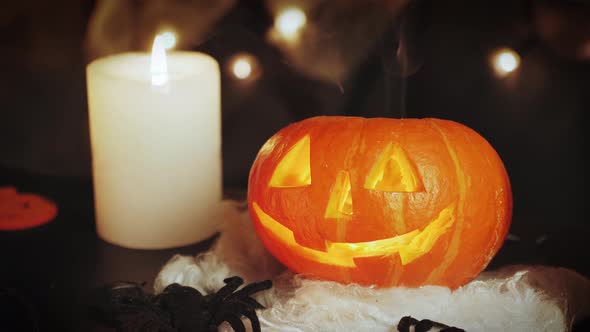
169 38
159 66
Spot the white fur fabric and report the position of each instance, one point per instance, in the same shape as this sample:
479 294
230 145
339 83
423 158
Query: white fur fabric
515 298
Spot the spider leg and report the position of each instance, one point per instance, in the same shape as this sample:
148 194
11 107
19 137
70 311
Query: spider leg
231 284
234 320
405 323
234 279
251 314
424 325
252 288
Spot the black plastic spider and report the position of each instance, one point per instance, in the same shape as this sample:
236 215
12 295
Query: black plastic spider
424 325
126 307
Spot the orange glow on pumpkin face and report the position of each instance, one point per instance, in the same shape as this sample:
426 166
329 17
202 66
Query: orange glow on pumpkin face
380 201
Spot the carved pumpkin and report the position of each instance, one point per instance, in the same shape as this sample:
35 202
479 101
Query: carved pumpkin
21 211
380 201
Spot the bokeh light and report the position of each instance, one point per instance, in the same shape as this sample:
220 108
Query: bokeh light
289 22
505 61
243 67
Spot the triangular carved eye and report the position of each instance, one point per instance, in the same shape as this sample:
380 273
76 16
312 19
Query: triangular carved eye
393 172
340 201
294 170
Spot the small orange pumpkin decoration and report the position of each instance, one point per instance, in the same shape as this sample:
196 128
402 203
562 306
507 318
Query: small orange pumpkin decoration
380 201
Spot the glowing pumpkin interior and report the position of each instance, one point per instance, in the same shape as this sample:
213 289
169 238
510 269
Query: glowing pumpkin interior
392 172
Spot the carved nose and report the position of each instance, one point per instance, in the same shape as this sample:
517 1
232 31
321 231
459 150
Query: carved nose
340 201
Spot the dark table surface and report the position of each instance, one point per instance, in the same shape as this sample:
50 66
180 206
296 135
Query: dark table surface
48 272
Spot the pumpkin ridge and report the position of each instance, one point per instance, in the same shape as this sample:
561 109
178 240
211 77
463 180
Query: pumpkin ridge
453 247
349 160
396 269
493 244
399 224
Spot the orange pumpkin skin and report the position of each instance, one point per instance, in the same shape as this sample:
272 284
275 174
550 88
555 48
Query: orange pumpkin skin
440 228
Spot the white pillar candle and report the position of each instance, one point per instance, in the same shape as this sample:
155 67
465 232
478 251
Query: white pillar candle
155 132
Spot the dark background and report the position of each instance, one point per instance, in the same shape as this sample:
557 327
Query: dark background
533 117
347 64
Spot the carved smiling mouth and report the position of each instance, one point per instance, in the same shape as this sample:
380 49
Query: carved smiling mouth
409 246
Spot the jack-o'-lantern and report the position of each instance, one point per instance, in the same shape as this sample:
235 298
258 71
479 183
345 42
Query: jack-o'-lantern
380 201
